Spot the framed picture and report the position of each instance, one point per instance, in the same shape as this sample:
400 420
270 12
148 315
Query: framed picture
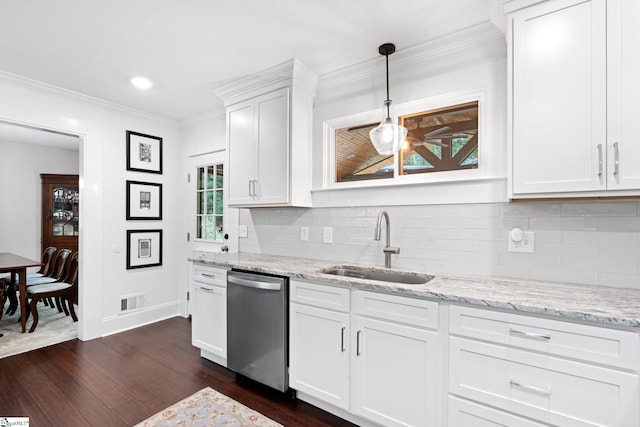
144 152
144 248
144 200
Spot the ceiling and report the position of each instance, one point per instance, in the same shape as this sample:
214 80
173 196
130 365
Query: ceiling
188 49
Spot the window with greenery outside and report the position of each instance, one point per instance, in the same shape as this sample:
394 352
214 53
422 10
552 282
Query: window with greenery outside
210 202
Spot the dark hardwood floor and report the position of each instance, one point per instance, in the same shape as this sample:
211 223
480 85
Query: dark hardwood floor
125 378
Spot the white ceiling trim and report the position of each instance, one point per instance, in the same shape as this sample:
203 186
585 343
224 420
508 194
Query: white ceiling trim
473 38
20 82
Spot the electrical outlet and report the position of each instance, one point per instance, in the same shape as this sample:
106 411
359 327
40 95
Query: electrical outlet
327 234
521 241
304 233
242 231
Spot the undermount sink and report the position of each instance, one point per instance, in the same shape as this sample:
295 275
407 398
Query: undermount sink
394 276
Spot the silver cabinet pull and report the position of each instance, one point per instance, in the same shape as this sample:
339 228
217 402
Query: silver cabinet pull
616 156
531 335
358 343
599 159
255 188
342 339
250 183
209 275
531 388
210 290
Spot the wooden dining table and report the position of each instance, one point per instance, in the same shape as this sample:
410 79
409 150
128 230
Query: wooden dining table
17 266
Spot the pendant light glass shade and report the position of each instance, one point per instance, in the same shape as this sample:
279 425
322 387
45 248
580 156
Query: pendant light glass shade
387 137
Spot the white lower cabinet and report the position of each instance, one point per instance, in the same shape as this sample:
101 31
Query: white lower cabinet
209 314
548 371
319 342
319 357
373 355
394 373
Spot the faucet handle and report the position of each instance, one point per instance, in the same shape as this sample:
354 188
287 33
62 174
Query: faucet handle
391 250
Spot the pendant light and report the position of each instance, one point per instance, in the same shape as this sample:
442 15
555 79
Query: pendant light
387 137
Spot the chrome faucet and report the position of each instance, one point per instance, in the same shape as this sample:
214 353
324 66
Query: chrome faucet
388 250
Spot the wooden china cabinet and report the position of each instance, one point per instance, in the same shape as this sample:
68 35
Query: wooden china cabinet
60 210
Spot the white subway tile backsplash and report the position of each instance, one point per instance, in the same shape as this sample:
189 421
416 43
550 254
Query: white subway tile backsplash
589 242
600 208
613 223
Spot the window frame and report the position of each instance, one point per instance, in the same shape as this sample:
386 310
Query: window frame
404 109
197 191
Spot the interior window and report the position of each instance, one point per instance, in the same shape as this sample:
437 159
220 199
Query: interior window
444 139
210 202
357 159
440 140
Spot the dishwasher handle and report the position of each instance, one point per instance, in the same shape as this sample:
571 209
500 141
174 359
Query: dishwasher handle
258 283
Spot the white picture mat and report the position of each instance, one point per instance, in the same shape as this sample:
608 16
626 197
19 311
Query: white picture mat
155 250
135 210
151 146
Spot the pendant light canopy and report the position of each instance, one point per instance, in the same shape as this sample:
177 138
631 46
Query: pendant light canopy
387 137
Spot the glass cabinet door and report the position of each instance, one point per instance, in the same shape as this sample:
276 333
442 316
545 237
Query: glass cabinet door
60 211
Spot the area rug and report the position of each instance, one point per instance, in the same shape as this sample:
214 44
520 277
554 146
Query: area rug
208 407
53 327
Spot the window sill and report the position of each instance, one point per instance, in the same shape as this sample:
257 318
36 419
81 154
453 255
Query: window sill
393 193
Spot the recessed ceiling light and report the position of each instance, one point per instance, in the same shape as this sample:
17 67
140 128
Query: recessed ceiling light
141 82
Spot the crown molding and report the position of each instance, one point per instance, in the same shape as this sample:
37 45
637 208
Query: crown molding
218 113
290 73
485 36
21 82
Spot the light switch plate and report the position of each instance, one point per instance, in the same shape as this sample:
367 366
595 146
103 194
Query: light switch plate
327 234
304 233
242 231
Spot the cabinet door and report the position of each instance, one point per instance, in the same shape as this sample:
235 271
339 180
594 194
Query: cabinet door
559 97
396 379
319 354
623 93
209 319
60 211
241 134
273 147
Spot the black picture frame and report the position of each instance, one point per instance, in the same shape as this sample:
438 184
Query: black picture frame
144 200
144 152
144 248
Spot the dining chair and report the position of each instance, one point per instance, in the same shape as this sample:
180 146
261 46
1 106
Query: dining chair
55 273
47 256
65 290
3 289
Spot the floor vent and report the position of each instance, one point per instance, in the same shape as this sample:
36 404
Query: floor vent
131 302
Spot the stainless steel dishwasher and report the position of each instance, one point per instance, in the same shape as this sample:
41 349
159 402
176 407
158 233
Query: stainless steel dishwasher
258 327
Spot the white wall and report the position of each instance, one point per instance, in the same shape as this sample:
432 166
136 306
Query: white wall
103 277
20 186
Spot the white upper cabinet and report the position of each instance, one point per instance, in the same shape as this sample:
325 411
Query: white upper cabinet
623 84
571 89
269 137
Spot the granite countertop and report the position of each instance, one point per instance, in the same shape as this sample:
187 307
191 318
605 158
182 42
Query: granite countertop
607 305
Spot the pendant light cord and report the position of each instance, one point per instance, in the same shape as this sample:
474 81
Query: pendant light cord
388 101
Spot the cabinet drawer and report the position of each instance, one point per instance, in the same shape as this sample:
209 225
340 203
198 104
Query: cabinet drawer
324 296
210 275
463 413
412 311
589 343
545 388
